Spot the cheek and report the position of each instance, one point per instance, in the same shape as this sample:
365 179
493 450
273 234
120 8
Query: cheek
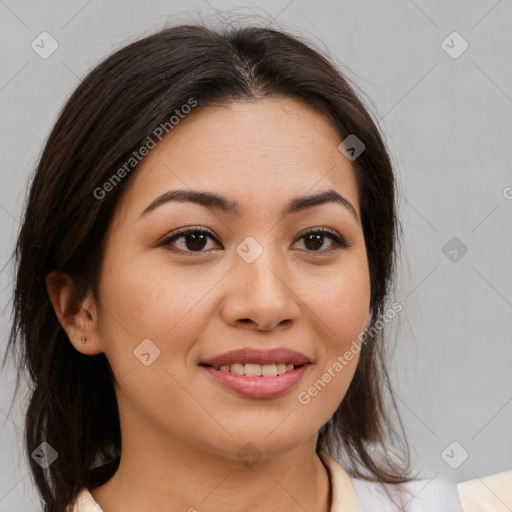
339 305
147 300
341 313
347 309
341 302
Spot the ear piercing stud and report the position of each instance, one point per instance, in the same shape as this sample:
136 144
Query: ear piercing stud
84 339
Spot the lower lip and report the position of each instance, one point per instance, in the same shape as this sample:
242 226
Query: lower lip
258 387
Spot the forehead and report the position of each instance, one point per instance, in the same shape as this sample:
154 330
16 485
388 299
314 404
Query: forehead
259 151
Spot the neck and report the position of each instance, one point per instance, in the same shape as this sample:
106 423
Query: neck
155 475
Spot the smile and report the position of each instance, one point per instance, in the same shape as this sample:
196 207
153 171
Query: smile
257 381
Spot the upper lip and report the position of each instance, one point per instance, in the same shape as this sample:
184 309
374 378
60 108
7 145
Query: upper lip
278 355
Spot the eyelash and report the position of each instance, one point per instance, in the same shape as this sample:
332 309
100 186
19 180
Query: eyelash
183 232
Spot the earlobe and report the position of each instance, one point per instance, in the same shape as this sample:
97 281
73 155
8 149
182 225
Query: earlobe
74 315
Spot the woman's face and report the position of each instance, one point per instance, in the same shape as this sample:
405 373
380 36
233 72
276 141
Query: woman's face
255 280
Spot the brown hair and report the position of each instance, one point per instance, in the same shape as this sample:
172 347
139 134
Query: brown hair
113 111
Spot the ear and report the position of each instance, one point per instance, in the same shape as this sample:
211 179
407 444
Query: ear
78 318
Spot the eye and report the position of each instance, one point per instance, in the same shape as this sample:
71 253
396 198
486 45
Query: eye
314 238
195 240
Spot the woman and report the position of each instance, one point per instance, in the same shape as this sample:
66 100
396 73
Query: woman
203 273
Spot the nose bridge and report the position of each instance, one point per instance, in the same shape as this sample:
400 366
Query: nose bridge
262 262
262 291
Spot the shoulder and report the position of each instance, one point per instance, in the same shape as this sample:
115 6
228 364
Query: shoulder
426 495
493 492
490 493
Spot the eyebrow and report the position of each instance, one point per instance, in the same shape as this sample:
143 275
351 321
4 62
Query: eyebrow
212 200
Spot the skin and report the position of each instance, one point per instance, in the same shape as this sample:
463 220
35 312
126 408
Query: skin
181 431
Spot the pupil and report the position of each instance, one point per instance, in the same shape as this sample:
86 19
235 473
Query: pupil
198 241
316 239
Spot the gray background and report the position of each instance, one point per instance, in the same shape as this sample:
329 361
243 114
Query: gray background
447 124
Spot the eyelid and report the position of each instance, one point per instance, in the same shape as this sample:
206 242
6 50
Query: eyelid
338 240
319 229
187 229
177 233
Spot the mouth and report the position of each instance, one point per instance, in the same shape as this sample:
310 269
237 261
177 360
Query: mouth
257 381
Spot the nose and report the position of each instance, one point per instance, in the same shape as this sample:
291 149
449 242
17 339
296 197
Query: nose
261 293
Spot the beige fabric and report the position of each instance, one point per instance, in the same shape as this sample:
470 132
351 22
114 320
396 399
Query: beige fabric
343 493
84 502
489 494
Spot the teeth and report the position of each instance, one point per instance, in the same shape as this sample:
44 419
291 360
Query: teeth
256 370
